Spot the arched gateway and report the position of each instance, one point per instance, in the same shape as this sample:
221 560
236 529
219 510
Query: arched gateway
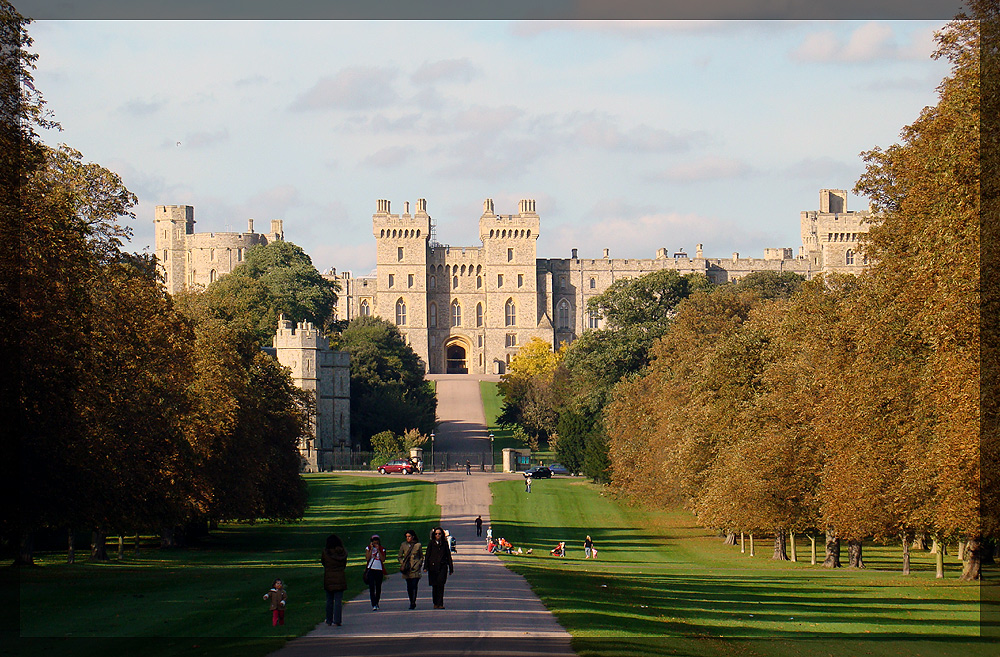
456 357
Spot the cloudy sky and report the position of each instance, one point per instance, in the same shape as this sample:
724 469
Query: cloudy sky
630 135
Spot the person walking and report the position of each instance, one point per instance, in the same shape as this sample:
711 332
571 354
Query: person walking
468 467
334 560
479 525
375 569
527 484
278 597
489 533
411 560
438 565
588 548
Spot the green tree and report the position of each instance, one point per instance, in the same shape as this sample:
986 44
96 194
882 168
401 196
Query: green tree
275 279
771 284
388 390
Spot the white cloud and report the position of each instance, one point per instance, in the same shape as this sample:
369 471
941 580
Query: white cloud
392 156
708 168
445 70
356 88
603 133
871 42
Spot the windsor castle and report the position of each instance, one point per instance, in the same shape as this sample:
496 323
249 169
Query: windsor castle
468 309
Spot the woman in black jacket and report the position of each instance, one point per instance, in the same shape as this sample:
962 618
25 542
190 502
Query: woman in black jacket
438 565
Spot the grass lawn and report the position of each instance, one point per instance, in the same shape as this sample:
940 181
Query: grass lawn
663 586
207 600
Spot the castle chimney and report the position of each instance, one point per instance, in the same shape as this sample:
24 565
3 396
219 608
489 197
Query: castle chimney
278 228
736 256
421 205
606 254
574 254
697 251
406 207
488 206
249 225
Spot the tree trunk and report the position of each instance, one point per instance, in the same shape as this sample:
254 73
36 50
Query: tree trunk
743 545
961 550
137 544
988 549
906 555
791 543
934 546
972 570
71 546
855 557
121 546
751 545
832 551
168 538
812 550
779 546
26 550
98 546
730 539
920 542
939 562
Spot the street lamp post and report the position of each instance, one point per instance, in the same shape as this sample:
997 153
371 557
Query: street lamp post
492 462
432 452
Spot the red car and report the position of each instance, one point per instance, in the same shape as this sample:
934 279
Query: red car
400 465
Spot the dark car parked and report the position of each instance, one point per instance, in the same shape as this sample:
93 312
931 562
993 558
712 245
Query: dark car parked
538 472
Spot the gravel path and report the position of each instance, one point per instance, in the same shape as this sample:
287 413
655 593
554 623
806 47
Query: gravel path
489 609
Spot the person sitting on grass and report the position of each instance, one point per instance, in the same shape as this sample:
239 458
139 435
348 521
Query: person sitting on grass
559 550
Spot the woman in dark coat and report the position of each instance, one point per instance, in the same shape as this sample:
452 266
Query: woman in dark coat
438 565
334 559
411 561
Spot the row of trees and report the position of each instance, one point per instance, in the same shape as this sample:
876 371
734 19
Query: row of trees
137 412
848 405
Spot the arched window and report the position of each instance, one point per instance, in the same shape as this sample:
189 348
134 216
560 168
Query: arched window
366 310
432 283
510 313
456 313
165 255
479 314
212 252
593 284
212 275
454 282
400 312
563 315
479 282
433 320
593 320
850 256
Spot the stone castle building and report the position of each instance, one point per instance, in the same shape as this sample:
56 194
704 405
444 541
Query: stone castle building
189 259
326 374
469 309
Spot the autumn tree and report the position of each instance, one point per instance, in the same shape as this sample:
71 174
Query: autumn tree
922 292
527 388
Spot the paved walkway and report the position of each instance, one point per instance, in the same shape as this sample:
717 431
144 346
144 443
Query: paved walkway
489 609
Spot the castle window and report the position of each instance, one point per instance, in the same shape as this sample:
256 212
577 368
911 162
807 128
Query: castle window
212 254
479 315
165 255
239 255
480 341
510 313
480 360
366 310
850 256
510 255
433 319
392 280
479 282
511 340
593 320
456 313
212 276
499 280
593 284
454 282
409 280
520 280
400 312
399 253
563 315
562 282
432 283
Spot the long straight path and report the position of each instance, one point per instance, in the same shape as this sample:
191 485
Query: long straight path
489 610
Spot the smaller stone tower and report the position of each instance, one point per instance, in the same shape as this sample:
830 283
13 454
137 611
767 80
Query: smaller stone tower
172 224
325 373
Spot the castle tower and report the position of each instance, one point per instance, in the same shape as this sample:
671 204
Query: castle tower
301 348
511 279
401 264
172 224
